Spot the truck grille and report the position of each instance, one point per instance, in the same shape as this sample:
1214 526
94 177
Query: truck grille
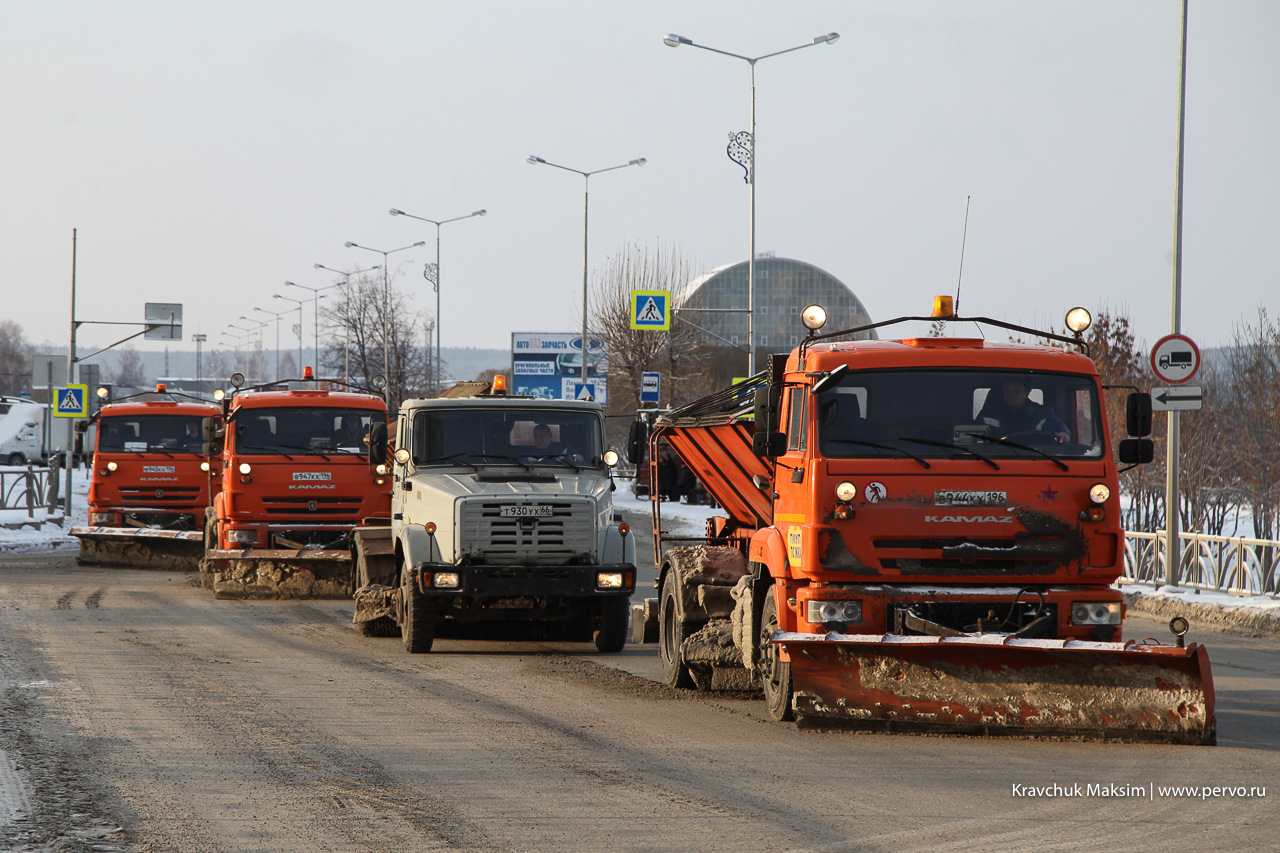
151 496
568 532
325 507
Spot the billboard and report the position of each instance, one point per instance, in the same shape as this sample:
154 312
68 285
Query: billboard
548 365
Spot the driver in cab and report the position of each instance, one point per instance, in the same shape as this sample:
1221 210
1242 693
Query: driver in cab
544 448
1014 412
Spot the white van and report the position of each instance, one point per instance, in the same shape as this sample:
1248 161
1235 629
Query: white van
20 431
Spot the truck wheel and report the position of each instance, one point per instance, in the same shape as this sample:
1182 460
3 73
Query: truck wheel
775 674
419 625
16 459
383 626
612 635
671 636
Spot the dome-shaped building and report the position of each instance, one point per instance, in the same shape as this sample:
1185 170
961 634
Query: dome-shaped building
784 286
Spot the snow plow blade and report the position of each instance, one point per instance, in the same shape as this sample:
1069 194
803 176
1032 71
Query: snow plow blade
260 574
999 685
140 548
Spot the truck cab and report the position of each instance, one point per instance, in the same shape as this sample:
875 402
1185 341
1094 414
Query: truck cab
502 512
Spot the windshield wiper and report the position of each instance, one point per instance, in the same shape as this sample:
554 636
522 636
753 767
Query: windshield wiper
450 458
524 465
158 449
268 449
1007 443
948 444
310 450
906 453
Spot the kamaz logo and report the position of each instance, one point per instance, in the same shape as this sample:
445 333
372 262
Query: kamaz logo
299 476
969 519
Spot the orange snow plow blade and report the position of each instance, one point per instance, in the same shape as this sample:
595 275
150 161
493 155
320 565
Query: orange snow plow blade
140 547
1002 685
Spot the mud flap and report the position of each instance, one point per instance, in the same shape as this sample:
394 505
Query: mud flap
376 601
1000 685
140 548
266 573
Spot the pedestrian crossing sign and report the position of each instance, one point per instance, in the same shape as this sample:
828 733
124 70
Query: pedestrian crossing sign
69 402
584 391
651 309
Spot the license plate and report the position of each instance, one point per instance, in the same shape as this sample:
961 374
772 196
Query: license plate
526 511
961 497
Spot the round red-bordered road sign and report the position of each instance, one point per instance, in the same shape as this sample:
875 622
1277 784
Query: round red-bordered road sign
1175 359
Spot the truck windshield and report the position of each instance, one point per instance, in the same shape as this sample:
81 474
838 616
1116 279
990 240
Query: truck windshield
141 433
304 429
945 413
477 437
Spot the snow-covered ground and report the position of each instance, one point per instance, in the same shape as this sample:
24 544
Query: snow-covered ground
49 536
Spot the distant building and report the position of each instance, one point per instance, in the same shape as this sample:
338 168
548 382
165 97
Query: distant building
784 287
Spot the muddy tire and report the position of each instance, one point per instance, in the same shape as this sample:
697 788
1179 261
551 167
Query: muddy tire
775 674
671 636
419 620
383 626
614 627
16 459
210 529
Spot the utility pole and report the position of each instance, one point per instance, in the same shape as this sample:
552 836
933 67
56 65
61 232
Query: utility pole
1173 544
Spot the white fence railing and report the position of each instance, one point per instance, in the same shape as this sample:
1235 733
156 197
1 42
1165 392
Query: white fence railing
1234 564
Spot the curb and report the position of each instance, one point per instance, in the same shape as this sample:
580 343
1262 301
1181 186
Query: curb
1238 620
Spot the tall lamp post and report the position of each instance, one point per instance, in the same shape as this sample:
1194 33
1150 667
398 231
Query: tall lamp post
199 339
586 179
277 315
237 339
736 146
346 287
299 303
258 330
436 283
386 306
315 303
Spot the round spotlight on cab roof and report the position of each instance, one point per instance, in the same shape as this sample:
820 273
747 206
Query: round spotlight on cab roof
103 393
219 395
378 382
1079 319
611 458
237 379
814 317
1099 493
846 491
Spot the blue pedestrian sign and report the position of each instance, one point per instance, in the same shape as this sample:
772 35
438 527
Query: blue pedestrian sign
584 391
650 386
651 309
69 402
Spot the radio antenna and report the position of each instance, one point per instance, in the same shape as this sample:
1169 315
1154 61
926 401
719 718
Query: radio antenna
962 242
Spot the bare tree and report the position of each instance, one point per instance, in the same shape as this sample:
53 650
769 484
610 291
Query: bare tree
1253 420
129 369
15 358
357 315
680 356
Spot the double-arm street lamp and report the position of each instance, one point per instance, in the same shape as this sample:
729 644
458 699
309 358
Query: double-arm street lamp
436 282
261 326
277 315
586 179
386 306
346 321
315 303
736 151
299 303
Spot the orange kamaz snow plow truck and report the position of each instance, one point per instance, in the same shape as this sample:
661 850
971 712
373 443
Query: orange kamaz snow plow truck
151 483
922 534
299 490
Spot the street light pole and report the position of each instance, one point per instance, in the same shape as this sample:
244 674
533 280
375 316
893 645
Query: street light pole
436 283
315 304
346 350
673 40
386 307
299 303
586 186
199 339
277 315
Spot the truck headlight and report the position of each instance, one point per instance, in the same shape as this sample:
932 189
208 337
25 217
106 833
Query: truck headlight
846 491
101 518
818 612
245 468
1099 493
1095 613
608 580
402 456
249 536
111 466
381 470
446 580
204 466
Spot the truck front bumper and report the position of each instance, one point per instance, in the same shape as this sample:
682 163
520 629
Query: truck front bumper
526 581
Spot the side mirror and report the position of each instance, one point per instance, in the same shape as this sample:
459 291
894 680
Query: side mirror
212 448
636 441
1137 415
1137 451
769 445
832 379
78 446
767 399
211 429
377 445
81 427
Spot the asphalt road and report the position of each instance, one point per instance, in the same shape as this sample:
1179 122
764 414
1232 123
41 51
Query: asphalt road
141 714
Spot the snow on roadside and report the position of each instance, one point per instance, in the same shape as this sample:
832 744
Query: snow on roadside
680 519
49 536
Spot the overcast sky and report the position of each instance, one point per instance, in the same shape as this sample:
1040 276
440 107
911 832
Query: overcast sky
209 152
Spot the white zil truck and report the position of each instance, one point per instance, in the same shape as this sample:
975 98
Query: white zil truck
503 525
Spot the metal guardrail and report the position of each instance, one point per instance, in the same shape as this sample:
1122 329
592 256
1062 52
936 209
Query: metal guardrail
1235 564
32 489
